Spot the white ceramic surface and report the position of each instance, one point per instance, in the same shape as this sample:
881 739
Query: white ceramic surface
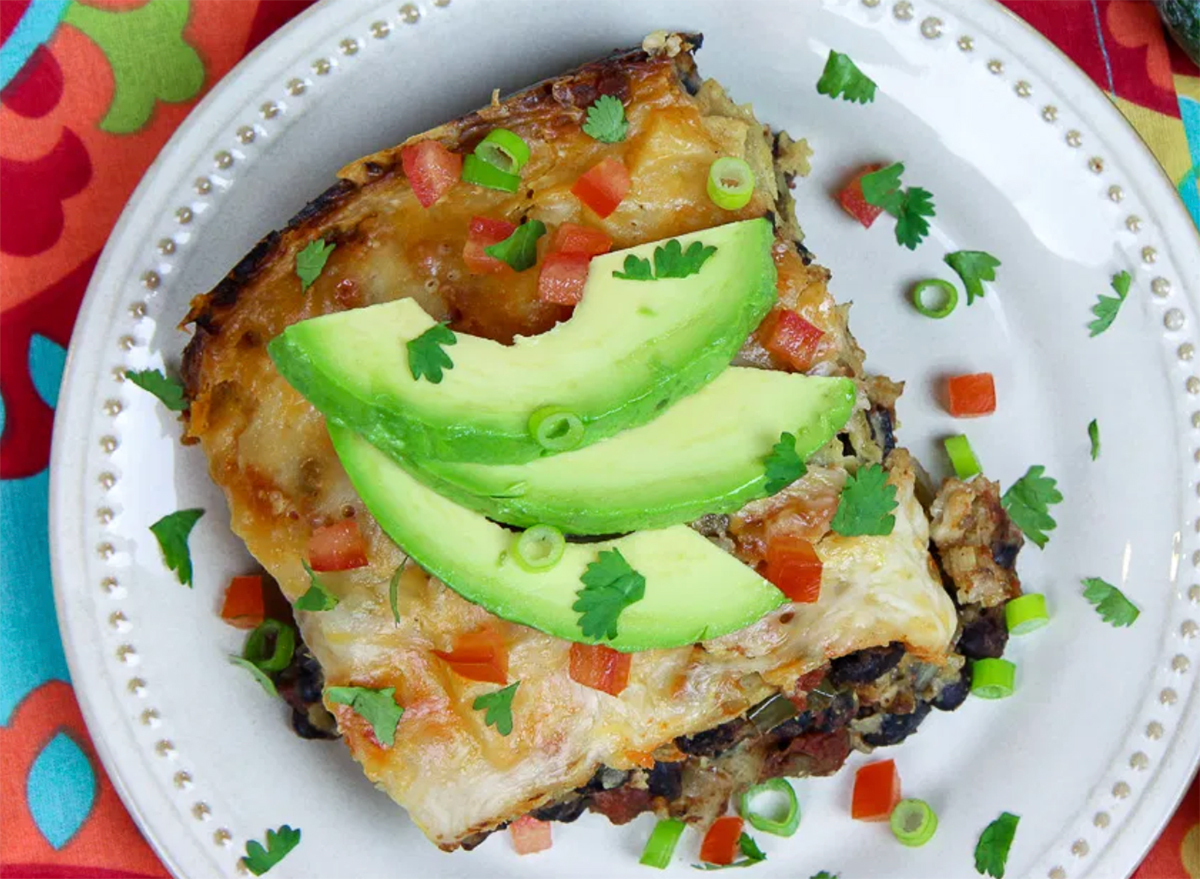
1093 750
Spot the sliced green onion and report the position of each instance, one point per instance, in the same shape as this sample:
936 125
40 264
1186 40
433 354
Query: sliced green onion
503 150
556 429
992 678
769 714
661 844
476 170
730 183
913 822
281 651
962 456
539 548
781 822
933 305
1026 613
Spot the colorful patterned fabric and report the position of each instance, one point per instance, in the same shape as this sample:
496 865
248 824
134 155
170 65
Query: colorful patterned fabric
89 93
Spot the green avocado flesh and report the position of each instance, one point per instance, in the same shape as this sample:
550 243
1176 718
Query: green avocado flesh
694 590
703 455
631 349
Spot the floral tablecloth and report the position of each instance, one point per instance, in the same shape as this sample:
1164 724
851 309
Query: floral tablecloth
89 93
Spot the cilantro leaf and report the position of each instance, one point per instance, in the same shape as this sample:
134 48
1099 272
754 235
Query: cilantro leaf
882 188
866 505
310 262
749 848
783 464
519 250
259 860
974 267
1106 307
610 586
168 390
911 225
172 533
1110 602
1094 436
635 270
499 708
606 120
842 78
376 706
1028 501
317 598
257 673
991 852
670 261
425 355
825 874
394 590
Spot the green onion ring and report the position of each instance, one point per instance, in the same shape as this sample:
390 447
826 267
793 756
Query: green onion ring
539 548
556 429
503 150
992 678
913 822
784 826
661 844
730 183
476 170
949 298
1026 613
281 653
962 456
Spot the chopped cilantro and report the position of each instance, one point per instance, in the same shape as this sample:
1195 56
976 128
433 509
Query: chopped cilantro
1110 602
259 860
752 855
172 532
1094 437
610 586
257 673
519 250
881 187
670 261
606 120
1028 502
825 874
910 207
866 505
783 464
498 706
991 852
842 78
317 598
310 262
376 706
974 267
1106 307
394 590
425 355
168 390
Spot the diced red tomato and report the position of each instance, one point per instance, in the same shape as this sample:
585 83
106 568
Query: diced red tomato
484 232
431 170
603 187
337 547
971 395
794 567
529 835
481 655
876 791
245 605
573 238
600 668
791 338
855 203
720 845
562 278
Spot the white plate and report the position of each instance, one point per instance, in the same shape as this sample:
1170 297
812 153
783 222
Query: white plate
1025 158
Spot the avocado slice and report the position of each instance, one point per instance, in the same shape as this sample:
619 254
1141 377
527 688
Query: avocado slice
632 348
703 455
694 590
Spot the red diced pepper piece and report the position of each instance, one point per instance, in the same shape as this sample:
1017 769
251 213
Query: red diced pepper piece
600 668
794 567
876 791
971 395
431 170
562 278
791 338
337 547
855 203
603 187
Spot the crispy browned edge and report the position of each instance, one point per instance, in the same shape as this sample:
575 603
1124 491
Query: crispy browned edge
577 88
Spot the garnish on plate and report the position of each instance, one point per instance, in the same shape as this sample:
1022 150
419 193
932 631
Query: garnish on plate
504 150
842 78
670 261
610 586
866 504
913 822
376 706
751 855
169 390
1094 437
661 844
784 466
606 120
993 678
519 250
974 267
1110 602
498 708
962 456
317 598
1026 613
172 532
970 396
257 673
780 822
1028 502
310 262
935 298
259 860
991 852
730 183
426 359
1106 307
910 207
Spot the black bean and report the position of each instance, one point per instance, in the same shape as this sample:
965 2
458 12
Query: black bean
306 729
897 727
1004 553
564 811
714 741
954 694
864 666
882 428
986 636
666 780
847 446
